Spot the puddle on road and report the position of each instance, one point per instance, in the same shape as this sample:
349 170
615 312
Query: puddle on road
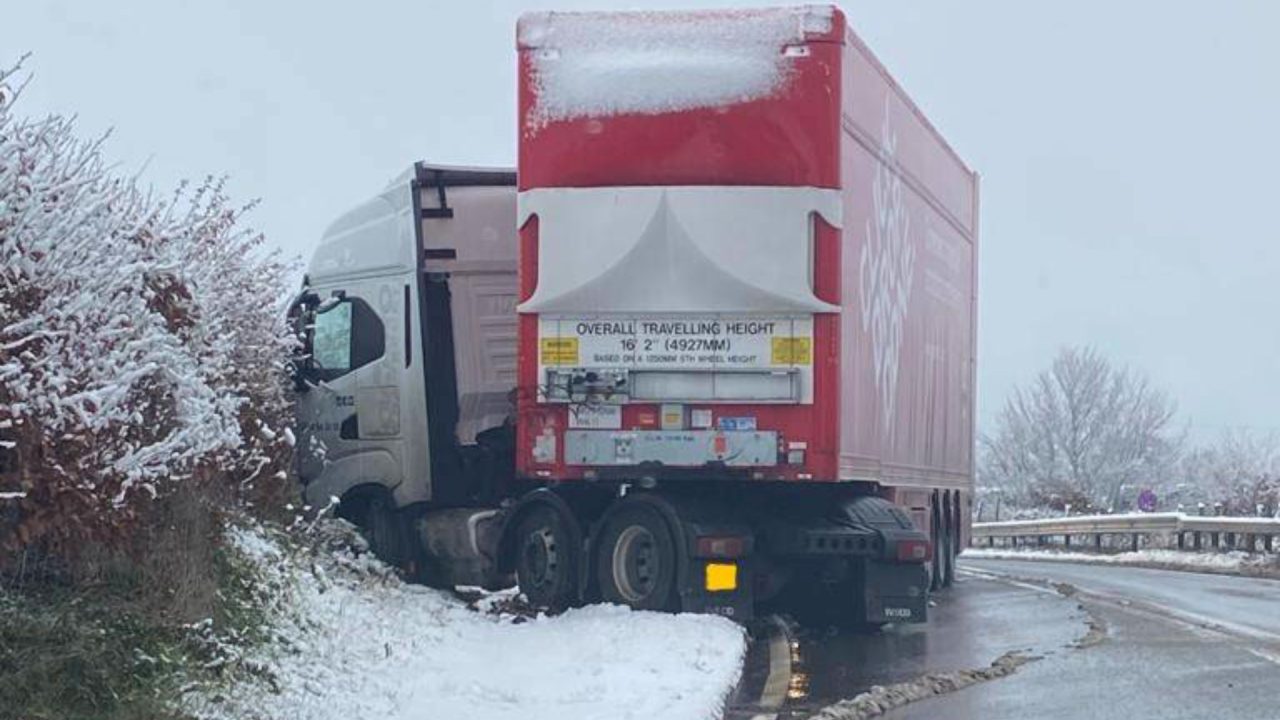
978 620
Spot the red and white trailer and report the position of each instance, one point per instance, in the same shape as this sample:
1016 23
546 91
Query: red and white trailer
747 271
742 304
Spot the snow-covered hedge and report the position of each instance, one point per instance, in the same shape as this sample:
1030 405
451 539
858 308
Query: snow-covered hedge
141 339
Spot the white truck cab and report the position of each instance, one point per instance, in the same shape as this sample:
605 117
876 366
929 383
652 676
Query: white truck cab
409 330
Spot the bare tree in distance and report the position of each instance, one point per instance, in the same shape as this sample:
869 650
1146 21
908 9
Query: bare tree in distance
1085 433
1241 471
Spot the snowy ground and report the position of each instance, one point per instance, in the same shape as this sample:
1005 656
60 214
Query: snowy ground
1221 562
354 643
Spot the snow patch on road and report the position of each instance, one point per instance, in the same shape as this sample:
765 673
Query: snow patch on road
1227 562
881 699
353 641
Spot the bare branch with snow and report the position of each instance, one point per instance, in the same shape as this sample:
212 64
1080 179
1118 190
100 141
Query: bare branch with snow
141 339
1084 433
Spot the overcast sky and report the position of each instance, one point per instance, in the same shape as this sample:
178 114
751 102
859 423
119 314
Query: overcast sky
1128 150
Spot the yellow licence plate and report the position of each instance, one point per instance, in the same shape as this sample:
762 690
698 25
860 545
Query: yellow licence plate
722 576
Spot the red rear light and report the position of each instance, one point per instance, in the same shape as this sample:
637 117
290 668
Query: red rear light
721 547
915 551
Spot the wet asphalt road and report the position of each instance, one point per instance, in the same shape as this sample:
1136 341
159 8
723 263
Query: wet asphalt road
1177 645
969 626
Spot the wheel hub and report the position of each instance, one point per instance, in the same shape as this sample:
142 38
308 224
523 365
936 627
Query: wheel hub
540 557
636 564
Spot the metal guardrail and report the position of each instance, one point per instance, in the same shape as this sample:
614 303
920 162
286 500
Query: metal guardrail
1236 533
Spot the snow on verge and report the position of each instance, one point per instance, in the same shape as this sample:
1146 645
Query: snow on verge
354 642
602 64
1228 562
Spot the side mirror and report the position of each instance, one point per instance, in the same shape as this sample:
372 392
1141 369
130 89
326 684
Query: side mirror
302 313
298 372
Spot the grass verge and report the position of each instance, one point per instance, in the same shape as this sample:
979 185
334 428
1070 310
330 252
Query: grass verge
109 651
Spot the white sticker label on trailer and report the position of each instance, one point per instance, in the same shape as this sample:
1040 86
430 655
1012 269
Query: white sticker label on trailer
595 416
717 342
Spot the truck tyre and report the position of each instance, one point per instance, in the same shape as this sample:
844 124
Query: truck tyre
948 549
546 559
935 539
636 560
946 561
383 530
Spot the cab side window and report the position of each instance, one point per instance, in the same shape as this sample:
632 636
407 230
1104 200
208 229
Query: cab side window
345 336
331 344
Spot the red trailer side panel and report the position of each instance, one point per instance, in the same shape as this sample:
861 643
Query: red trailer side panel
909 258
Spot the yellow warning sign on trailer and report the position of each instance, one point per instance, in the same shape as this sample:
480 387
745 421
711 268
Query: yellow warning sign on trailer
560 351
791 351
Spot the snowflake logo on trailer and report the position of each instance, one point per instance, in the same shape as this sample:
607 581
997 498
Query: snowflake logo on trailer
886 271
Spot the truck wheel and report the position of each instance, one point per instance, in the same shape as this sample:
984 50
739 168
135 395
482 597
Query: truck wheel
935 539
636 559
546 560
383 530
948 552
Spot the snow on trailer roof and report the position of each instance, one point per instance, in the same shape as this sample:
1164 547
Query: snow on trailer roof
609 63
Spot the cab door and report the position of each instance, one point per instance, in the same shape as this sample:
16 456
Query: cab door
350 416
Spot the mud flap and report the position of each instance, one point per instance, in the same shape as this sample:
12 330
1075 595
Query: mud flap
705 583
736 604
892 593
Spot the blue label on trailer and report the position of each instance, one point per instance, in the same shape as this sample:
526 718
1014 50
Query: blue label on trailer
737 423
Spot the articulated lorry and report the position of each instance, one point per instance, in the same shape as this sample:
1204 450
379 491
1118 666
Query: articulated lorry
710 346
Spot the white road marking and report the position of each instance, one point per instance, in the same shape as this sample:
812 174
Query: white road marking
985 575
779 678
1267 655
